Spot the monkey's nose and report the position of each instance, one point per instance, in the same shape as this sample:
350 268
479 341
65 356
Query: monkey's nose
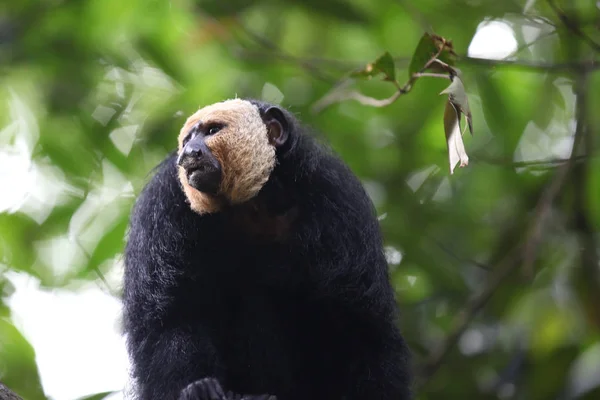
191 151
194 150
202 169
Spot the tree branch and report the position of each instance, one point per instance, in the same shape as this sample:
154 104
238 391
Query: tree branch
431 75
451 253
277 52
589 271
416 15
341 65
341 93
542 67
573 26
528 252
7 394
270 55
543 208
550 163
465 316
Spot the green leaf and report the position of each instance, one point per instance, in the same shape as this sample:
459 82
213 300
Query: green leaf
156 53
6 290
109 246
429 45
550 97
593 190
97 396
507 104
384 64
17 363
551 373
17 234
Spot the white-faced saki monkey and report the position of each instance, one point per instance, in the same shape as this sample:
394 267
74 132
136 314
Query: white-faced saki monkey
255 269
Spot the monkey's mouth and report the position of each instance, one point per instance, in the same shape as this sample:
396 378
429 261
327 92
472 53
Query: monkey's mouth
204 177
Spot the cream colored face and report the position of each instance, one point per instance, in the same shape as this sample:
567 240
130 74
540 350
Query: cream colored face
242 148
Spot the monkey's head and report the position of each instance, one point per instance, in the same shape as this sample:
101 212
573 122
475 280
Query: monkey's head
227 152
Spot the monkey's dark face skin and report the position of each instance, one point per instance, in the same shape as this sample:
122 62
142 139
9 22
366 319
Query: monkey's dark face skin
285 293
203 170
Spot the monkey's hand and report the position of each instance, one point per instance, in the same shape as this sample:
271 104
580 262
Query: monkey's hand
203 389
211 389
237 396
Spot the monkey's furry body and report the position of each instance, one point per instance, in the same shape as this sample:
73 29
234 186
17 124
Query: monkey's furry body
286 293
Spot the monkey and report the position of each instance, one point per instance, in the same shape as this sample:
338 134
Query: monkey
254 269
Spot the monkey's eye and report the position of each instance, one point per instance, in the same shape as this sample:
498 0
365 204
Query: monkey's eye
213 129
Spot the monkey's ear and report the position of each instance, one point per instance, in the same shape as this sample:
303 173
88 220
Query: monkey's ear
277 126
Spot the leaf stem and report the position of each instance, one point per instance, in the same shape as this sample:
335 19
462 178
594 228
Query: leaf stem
431 75
341 93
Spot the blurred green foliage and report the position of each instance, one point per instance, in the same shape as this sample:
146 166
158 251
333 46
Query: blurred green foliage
93 93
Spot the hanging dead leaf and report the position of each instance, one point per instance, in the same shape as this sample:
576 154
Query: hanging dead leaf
456 147
457 95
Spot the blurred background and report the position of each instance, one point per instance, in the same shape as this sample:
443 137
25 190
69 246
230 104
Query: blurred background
495 266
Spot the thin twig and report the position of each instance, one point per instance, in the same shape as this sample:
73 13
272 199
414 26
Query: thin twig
431 75
573 26
307 65
550 163
527 45
540 214
449 252
341 93
314 66
401 62
505 267
588 274
434 59
268 56
465 316
340 96
7 394
545 204
416 15
96 269
542 67
538 19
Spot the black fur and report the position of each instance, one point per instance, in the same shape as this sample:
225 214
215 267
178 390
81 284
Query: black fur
303 311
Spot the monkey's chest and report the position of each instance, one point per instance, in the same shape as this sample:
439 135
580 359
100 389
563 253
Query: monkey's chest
261 343
271 336
281 344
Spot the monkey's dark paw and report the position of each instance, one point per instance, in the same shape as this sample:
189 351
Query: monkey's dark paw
237 396
203 389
